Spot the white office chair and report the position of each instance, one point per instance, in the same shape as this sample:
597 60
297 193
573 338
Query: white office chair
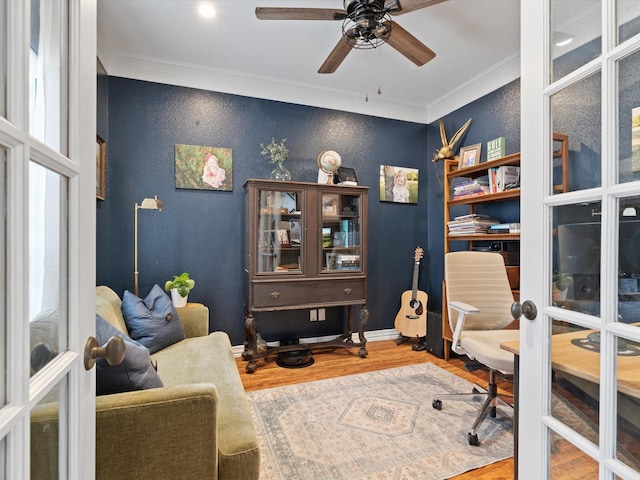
479 299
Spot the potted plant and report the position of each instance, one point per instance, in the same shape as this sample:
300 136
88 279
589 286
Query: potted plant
277 153
561 282
179 287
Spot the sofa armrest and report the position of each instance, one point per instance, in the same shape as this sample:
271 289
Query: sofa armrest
162 433
195 319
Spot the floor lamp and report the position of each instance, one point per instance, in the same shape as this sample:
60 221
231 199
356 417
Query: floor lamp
147 204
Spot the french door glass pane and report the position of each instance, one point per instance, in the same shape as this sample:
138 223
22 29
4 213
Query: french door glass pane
48 76
574 35
47 267
3 58
628 404
575 382
576 257
566 460
629 118
628 12
575 112
47 435
3 273
629 260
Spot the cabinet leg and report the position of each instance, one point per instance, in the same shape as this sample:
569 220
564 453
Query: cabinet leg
364 318
250 339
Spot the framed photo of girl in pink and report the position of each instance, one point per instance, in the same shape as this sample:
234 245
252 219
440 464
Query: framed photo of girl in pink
204 168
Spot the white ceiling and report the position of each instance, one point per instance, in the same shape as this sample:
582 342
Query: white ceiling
477 44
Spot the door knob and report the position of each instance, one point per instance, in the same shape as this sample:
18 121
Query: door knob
527 308
113 351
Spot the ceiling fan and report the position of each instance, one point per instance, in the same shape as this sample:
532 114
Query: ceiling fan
365 24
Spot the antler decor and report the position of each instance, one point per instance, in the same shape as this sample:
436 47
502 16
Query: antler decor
446 152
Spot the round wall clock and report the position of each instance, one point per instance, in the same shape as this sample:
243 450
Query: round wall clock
329 162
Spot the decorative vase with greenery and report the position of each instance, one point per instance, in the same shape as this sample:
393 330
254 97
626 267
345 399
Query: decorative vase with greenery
277 153
179 287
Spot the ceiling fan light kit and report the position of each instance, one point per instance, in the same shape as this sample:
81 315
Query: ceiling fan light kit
366 24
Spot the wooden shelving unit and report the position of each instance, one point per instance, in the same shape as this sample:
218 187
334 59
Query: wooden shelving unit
451 171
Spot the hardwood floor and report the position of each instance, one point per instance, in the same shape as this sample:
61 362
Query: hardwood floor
382 354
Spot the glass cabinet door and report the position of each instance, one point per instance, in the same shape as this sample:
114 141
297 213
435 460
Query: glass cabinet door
340 230
280 237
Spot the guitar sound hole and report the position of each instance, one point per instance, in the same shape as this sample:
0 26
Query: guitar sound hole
414 304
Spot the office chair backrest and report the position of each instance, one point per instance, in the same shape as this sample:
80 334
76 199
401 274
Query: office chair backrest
479 279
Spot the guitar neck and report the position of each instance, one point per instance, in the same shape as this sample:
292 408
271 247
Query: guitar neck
416 270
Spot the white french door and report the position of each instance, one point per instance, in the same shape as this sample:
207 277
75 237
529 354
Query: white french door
579 396
47 237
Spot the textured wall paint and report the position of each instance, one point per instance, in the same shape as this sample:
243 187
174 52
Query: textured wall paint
202 231
494 115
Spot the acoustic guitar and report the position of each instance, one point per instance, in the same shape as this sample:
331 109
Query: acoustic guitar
411 320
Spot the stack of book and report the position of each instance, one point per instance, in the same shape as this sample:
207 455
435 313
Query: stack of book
506 177
470 224
477 186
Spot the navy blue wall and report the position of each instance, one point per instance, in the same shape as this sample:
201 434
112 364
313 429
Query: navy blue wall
494 115
202 231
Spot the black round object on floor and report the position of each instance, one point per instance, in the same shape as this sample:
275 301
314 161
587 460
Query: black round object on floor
295 358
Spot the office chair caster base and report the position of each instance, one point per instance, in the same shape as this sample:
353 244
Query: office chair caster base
437 404
473 439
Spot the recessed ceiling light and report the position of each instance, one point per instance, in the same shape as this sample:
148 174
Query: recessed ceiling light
206 10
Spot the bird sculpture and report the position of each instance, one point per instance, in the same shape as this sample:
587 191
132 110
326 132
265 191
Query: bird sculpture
447 149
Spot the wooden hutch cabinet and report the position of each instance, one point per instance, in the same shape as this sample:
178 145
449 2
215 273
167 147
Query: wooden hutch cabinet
305 248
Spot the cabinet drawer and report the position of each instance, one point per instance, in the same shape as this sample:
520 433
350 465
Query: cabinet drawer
290 294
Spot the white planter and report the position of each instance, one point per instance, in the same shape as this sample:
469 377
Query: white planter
177 299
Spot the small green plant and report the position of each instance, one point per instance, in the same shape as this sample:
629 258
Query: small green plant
182 283
277 152
562 280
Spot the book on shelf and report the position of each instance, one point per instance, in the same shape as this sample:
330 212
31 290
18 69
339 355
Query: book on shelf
470 224
348 262
506 177
471 187
495 148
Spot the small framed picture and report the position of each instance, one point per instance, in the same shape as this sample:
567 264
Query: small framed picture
470 156
283 238
101 158
329 205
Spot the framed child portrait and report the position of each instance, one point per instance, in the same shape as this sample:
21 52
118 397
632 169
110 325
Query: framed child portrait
470 156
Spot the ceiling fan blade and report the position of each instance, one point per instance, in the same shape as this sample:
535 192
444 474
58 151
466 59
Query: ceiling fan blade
282 13
407 6
335 58
409 46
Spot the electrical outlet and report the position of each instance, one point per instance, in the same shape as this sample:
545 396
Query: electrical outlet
321 315
313 315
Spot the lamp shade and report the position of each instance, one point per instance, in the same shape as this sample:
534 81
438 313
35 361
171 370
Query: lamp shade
151 203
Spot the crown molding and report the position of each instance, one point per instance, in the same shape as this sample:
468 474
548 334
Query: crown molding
488 81
192 76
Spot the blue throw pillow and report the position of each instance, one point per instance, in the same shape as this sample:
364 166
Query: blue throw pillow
153 321
134 373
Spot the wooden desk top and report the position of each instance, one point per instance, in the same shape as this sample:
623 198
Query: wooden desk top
569 358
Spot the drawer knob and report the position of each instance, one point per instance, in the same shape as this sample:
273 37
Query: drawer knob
348 291
275 294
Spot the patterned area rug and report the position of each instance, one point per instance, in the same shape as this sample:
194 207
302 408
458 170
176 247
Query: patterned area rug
377 425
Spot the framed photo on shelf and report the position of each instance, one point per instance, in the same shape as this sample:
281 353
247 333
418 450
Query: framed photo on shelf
101 158
470 156
330 205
